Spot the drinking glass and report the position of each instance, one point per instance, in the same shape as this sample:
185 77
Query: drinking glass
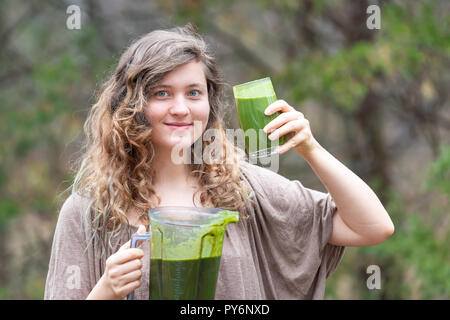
252 98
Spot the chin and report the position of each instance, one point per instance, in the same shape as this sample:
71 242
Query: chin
179 144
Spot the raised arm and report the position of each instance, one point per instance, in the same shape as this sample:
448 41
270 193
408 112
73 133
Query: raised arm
361 219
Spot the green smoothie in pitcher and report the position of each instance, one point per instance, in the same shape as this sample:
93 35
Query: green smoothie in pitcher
252 99
184 279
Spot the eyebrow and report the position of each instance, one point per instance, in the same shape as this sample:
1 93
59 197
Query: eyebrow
188 86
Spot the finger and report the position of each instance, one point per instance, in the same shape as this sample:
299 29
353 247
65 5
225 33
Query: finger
280 120
129 266
129 287
130 277
295 140
125 255
125 246
284 148
141 229
279 105
292 126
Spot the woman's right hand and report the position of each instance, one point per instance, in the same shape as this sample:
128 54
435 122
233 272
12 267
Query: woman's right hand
122 273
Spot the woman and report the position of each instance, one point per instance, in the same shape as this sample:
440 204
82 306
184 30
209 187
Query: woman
290 238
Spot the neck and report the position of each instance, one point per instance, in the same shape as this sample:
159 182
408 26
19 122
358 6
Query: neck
168 172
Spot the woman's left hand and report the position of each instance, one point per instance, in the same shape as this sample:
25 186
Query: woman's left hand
293 122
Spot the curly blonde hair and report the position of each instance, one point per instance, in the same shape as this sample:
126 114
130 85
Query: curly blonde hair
115 170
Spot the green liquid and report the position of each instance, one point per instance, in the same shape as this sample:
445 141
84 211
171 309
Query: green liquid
251 116
184 279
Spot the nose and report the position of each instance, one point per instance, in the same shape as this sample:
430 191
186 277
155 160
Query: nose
179 106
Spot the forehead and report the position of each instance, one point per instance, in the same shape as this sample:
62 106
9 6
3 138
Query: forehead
186 74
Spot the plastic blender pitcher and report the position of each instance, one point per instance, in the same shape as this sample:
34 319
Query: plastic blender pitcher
185 251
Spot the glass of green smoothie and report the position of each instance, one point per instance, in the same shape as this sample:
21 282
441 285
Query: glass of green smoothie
252 98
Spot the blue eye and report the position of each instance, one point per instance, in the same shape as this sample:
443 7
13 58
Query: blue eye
198 93
158 93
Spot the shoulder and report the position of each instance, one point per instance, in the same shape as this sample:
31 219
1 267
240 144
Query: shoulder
72 211
278 191
268 185
261 175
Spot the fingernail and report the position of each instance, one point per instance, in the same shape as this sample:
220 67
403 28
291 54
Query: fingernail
265 129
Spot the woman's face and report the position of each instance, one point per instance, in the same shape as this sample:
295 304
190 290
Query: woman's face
179 101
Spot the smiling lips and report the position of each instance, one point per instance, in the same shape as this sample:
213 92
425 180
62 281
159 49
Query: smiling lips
178 125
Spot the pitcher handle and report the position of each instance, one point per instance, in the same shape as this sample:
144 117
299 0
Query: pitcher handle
135 241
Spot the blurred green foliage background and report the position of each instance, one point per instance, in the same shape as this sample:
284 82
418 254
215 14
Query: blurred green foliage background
376 99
